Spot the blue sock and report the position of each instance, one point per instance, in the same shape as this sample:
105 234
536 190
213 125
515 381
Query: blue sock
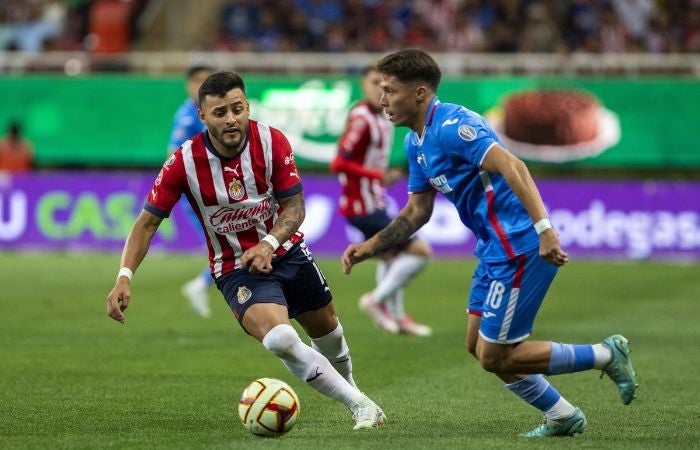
536 390
568 358
206 276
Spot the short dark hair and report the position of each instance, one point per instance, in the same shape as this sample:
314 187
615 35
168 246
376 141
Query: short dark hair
198 68
219 83
411 65
369 69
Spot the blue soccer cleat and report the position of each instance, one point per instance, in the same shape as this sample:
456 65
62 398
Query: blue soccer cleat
567 427
620 369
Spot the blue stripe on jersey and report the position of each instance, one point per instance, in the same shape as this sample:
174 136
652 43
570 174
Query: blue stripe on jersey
448 159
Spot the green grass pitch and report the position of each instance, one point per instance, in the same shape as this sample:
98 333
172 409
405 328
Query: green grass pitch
72 378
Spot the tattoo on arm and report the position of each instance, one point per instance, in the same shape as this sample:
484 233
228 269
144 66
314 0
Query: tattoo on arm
291 218
400 229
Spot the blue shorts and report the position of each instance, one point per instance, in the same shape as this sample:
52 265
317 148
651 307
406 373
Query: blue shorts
295 282
507 296
373 223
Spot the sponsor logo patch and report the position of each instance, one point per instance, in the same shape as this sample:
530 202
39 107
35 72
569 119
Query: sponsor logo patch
169 162
440 184
466 132
420 159
159 179
243 294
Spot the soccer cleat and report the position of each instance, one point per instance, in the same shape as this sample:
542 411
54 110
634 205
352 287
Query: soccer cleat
408 326
384 322
196 293
567 427
620 368
367 414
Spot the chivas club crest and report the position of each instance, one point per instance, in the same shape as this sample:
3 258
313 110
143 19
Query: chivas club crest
236 189
243 294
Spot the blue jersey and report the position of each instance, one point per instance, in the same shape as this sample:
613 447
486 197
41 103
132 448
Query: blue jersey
185 125
448 159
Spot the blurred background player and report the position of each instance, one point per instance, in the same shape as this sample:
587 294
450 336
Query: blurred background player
185 126
363 167
16 153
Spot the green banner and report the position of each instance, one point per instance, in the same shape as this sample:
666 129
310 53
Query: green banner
125 121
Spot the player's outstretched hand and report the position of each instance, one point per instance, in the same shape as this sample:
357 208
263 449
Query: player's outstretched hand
118 299
356 253
550 248
258 259
391 176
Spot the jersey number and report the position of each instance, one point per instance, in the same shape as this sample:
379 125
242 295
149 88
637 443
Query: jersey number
495 296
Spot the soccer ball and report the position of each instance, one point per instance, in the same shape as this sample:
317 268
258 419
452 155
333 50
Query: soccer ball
268 407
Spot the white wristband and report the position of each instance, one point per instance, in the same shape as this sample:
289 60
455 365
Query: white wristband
542 225
125 272
270 239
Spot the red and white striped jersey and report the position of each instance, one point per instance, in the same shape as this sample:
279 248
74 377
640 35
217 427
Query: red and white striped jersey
234 198
363 157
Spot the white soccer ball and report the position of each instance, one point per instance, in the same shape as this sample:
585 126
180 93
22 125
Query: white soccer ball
268 407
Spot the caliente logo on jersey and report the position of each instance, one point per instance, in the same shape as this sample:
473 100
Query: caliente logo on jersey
229 219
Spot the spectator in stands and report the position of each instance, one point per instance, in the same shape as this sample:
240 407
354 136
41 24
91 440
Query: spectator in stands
30 24
16 153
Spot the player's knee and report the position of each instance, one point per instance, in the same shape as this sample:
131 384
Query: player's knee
280 339
491 363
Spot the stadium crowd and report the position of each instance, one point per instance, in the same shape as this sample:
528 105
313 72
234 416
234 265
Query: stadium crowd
596 26
500 26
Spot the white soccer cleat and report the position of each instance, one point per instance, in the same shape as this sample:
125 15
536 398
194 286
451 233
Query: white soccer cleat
197 295
408 326
367 414
368 305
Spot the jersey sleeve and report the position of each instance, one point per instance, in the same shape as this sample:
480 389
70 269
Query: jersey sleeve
168 187
286 180
469 138
417 182
355 139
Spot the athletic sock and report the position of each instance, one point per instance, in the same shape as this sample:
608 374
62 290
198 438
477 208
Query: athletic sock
561 410
536 390
396 305
205 276
309 365
402 269
335 348
569 358
602 356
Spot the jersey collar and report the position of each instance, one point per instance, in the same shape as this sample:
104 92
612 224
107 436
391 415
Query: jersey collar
428 118
212 149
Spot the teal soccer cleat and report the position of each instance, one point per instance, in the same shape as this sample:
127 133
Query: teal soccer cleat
620 369
567 427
